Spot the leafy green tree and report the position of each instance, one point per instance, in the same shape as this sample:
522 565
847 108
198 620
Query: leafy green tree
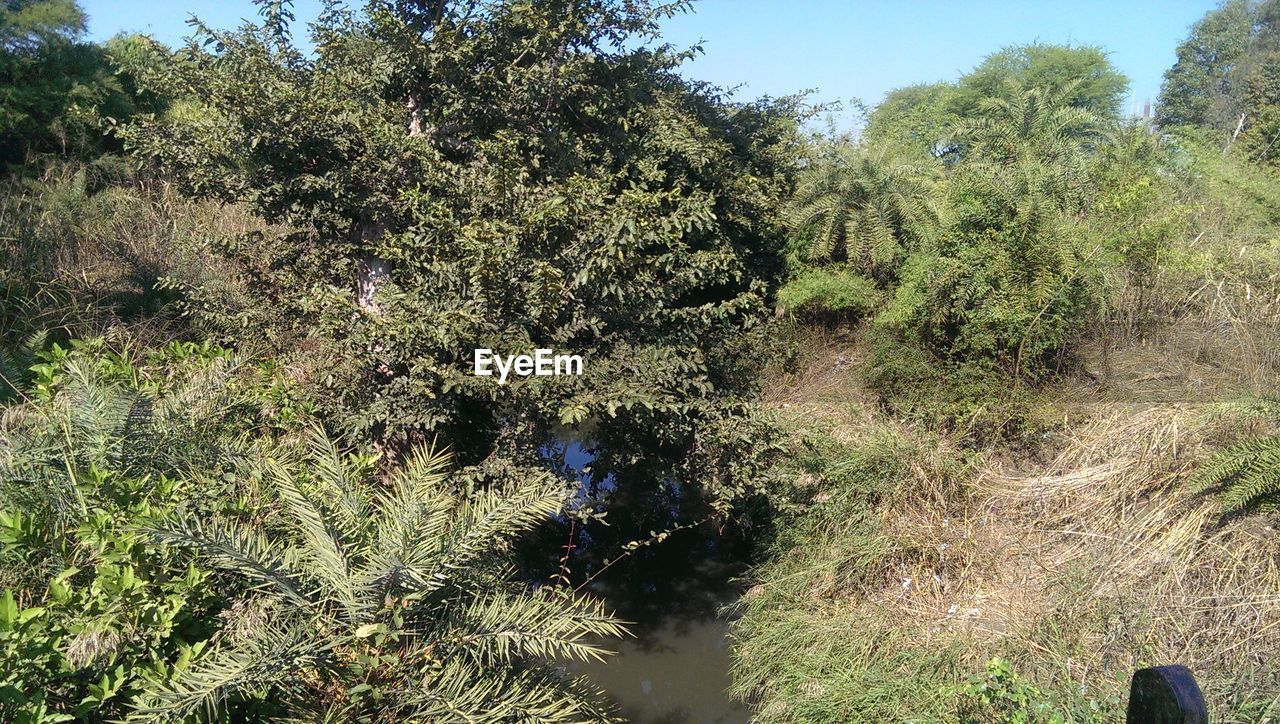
501 174
388 602
862 206
917 119
26 25
1034 143
1095 84
1260 137
1008 278
55 90
1204 86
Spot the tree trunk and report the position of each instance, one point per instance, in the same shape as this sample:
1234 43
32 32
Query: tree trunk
1239 127
371 270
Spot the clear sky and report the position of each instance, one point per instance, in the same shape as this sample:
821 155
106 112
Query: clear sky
842 49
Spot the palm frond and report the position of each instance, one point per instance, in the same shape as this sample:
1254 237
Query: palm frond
1249 471
243 550
322 550
503 628
461 692
490 518
273 658
342 491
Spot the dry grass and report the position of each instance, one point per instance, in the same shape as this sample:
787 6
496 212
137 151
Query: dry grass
1117 566
1080 560
84 260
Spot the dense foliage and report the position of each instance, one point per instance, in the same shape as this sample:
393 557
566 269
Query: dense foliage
1227 78
393 594
101 444
944 376
59 95
114 467
974 228
510 175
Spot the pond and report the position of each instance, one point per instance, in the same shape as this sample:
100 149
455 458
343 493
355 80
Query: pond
676 669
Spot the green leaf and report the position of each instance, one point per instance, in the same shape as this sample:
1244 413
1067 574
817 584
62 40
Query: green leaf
8 611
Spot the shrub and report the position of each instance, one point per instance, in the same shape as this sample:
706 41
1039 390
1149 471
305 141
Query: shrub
1001 695
972 398
91 612
1015 297
387 601
837 291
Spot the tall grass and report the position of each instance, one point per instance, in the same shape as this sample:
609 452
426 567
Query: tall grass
86 248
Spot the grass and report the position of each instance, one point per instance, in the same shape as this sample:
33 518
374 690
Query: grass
1080 560
795 657
84 254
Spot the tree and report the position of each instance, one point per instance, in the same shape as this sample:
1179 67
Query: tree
56 91
1204 85
1007 279
1260 138
917 119
862 206
26 25
1095 85
387 602
1032 139
500 174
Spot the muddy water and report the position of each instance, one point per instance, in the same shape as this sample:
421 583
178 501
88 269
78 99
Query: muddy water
676 669
675 673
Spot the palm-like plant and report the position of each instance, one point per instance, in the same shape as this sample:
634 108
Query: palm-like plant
1025 122
94 414
389 603
863 206
1249 471
16 363
1031 147
1008 276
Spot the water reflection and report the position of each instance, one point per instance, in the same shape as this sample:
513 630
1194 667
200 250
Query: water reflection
677 672
677 667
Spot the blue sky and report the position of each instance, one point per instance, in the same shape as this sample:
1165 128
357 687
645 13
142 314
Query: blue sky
841 49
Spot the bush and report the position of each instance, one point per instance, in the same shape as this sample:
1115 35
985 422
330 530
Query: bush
836 291
996 296
972 398
1004 696
91 611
